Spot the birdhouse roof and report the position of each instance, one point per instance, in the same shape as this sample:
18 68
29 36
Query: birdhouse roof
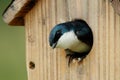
15 12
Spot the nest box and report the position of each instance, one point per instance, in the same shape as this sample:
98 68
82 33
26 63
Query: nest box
44 63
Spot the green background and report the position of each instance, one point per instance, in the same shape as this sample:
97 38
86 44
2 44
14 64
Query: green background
12 49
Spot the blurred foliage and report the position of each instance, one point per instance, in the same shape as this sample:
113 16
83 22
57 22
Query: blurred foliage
12 49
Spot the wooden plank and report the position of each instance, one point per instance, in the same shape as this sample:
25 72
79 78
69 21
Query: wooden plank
104 59
14 14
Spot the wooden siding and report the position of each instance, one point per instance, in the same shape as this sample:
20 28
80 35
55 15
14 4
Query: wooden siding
103 62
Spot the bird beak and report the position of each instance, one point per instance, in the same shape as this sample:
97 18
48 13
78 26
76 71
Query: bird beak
54 45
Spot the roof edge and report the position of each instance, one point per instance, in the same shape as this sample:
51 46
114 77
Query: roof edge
15 12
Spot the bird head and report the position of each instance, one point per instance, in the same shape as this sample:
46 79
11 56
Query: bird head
56 33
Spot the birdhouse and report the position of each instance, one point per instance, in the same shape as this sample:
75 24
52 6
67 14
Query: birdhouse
45 63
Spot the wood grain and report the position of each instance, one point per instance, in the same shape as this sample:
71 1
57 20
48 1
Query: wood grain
116 5
104 59
15 12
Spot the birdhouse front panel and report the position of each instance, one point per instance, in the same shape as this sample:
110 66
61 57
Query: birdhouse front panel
102 62
45 63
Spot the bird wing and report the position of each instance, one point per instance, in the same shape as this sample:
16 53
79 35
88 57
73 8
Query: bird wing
85 35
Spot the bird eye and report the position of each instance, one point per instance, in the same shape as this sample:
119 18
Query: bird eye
57 36
58 32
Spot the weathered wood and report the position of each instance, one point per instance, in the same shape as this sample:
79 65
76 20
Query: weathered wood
104 59
116 5
14 14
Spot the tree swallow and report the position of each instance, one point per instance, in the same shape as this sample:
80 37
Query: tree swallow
74 36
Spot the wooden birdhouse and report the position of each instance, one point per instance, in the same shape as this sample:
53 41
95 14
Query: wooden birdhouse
45 63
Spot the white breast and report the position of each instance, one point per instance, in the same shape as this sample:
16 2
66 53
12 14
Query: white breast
70 41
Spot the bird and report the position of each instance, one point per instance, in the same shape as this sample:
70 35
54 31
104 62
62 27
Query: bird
75 37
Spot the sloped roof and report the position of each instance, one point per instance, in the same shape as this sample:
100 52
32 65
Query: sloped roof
15 12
